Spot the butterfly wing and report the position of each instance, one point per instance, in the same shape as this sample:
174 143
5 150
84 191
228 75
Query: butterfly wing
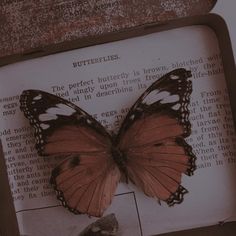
152 138
86 183
87 177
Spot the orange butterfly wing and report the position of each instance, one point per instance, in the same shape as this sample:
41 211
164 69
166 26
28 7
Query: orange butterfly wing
86 179
86 183
152 138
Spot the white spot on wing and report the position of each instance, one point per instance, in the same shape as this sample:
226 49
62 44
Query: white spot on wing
38 97
155 96
132 117
44 126
89 121
46 117
61 109
176 107
170 99
174 77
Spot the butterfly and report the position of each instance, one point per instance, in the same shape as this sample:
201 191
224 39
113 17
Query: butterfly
149 149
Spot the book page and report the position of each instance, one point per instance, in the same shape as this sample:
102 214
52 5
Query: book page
105 81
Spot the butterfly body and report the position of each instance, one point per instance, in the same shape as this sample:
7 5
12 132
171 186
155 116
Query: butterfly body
120 159
149 149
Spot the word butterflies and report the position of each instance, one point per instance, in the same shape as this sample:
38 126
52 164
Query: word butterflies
149 149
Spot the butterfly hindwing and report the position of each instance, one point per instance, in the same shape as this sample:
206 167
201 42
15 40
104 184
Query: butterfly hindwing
86 183
152 138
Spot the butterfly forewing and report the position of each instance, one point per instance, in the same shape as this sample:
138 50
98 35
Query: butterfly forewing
87 184
170 93
61 126
152 138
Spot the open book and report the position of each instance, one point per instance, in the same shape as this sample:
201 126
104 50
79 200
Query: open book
105 81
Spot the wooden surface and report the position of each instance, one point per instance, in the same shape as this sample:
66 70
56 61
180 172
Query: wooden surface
30 25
